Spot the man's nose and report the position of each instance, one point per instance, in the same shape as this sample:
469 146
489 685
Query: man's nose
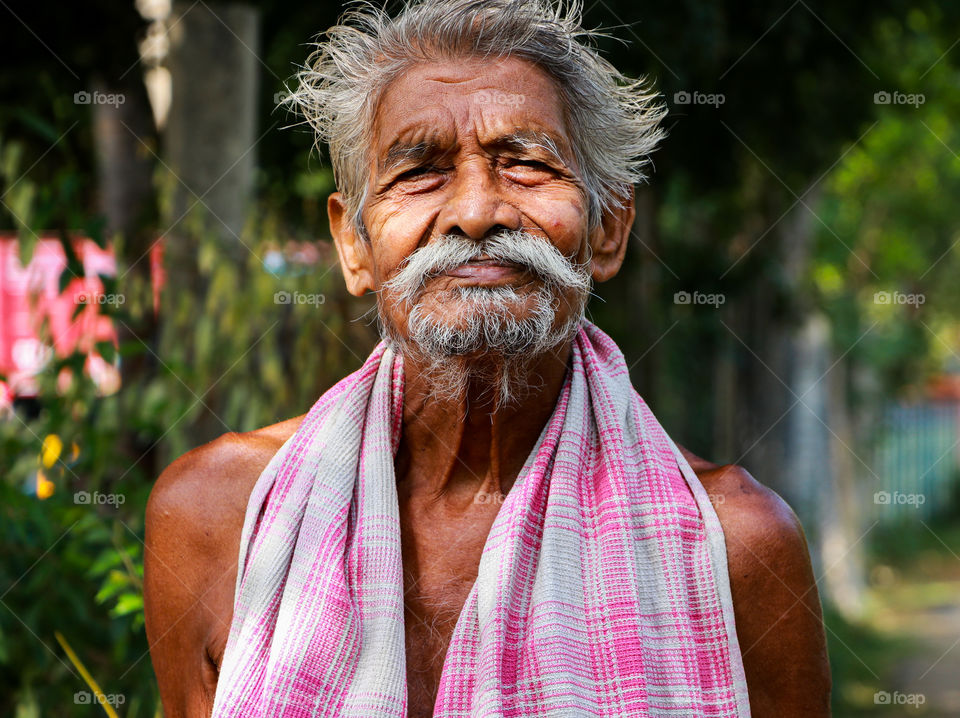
476 206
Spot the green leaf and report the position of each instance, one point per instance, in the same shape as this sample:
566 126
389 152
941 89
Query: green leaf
116 582
106 350
27 241
105 561
128 603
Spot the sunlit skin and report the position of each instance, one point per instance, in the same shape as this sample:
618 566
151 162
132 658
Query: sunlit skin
444 160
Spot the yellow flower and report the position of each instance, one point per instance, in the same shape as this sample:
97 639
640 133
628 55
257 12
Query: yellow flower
44 486
50 452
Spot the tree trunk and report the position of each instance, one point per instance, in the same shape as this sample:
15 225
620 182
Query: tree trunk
842 523
211 130
124 136
210 150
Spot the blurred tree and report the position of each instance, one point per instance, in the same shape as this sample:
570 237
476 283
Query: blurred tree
739 206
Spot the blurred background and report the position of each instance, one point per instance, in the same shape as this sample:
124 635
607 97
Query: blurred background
789 301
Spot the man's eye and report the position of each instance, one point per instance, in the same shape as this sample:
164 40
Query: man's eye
416 172
532 164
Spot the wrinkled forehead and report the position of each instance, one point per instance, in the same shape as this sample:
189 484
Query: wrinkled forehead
469 101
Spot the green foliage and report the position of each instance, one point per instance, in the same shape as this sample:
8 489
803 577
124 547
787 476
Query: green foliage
889 222
69 565
55 578
257 346
244 349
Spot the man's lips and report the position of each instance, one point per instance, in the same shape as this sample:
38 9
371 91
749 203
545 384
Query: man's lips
484 269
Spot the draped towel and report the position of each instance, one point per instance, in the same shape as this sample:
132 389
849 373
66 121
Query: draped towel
602 587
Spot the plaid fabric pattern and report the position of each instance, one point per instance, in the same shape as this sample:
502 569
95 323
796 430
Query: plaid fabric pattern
602 588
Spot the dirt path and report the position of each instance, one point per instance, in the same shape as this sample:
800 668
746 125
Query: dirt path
927 682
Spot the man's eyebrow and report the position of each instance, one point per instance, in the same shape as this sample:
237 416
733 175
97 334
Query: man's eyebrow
401 152
527 140
519 141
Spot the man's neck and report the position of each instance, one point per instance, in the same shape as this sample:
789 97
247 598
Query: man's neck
468 447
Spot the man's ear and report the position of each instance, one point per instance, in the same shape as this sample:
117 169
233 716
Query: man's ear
609 240
356 260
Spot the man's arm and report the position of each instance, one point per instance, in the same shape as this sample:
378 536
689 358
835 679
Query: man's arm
193 524
776 604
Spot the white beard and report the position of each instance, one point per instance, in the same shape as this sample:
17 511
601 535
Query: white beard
487 333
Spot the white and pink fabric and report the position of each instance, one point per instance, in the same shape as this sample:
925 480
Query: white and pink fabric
602 587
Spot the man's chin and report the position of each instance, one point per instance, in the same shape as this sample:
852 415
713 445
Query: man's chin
476 343
477 324
461 315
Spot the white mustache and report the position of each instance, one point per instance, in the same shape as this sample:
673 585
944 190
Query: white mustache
529 251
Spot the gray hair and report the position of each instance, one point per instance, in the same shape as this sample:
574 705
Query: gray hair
614 122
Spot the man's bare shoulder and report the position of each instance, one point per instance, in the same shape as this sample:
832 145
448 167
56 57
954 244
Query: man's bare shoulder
214 481
776 603
193 524
751 511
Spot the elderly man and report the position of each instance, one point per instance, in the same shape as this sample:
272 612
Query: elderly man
485 519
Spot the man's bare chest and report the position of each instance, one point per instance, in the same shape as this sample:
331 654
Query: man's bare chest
441 555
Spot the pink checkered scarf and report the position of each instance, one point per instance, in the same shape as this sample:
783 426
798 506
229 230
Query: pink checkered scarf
602 587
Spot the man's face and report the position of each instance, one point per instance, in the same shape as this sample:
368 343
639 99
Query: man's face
471 148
